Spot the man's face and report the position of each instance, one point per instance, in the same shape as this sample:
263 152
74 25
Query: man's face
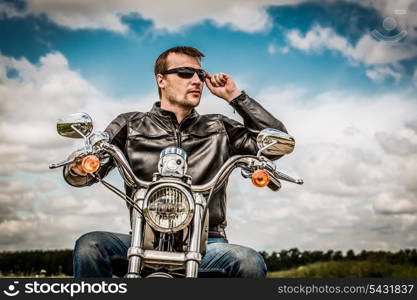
182 92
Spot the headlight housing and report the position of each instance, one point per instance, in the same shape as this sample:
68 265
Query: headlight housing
168 207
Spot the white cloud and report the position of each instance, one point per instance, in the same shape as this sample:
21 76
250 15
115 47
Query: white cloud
56 221
32 102
44 185
384 204
317 39
401 143
9 10
15 198
357 155
381 58
380 74
273 48
244 15
371 51
406 21
285 50
367 50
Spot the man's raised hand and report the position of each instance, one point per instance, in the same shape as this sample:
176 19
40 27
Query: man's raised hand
222 85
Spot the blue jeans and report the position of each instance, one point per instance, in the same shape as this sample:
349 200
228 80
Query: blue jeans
96 254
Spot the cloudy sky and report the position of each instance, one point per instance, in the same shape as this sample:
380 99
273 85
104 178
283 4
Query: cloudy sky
341 75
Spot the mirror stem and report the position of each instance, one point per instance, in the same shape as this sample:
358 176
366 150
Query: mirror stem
78 131
263 148
86 140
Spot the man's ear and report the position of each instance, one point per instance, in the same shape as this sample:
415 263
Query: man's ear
160 80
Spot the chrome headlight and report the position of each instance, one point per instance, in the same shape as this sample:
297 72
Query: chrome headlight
168 207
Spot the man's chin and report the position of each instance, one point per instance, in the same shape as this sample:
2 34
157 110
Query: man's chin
192 101
188 102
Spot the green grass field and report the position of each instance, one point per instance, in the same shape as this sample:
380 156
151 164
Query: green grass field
343 269
330 269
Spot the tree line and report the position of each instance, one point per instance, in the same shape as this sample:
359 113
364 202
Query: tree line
29 263
59 262
292 258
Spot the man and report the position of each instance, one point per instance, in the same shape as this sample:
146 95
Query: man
209 141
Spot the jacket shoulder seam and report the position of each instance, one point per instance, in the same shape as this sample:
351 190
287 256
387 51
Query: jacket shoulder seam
126 118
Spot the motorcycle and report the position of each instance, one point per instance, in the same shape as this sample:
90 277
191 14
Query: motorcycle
169 215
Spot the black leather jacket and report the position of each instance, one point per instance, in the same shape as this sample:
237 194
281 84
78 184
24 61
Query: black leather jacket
209 141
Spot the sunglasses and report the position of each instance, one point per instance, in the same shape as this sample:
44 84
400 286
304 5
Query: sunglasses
187 72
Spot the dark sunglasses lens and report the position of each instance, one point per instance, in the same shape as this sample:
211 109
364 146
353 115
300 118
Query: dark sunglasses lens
188 73
201 74
185 74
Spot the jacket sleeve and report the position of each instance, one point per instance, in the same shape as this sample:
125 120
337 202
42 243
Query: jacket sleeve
117 131
242 137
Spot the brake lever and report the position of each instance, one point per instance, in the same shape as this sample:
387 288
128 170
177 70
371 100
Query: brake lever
62 163
79 154
282 176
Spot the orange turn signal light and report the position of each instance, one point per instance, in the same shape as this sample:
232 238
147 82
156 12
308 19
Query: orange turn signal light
260 178
90 163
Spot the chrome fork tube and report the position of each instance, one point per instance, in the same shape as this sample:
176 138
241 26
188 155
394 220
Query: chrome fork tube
191 267
136 246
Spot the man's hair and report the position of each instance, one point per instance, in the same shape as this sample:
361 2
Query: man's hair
161 63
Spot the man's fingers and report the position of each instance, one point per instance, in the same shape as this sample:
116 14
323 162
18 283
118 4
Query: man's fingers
208 82
223 78
220 77
217 80
76 168
76 165
214 81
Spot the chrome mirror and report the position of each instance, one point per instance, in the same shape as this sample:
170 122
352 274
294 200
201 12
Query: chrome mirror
78 125
274 142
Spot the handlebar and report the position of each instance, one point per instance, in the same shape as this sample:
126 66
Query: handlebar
246 162
132 180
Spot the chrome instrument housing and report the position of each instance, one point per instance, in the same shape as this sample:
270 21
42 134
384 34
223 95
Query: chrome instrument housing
173 162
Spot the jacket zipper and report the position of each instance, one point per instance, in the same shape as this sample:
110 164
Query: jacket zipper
177 135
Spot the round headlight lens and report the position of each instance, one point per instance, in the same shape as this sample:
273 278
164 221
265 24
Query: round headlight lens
168 208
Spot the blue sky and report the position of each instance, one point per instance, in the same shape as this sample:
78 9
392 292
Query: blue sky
348 99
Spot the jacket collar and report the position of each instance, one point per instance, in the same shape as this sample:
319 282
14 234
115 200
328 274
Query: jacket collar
157 110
